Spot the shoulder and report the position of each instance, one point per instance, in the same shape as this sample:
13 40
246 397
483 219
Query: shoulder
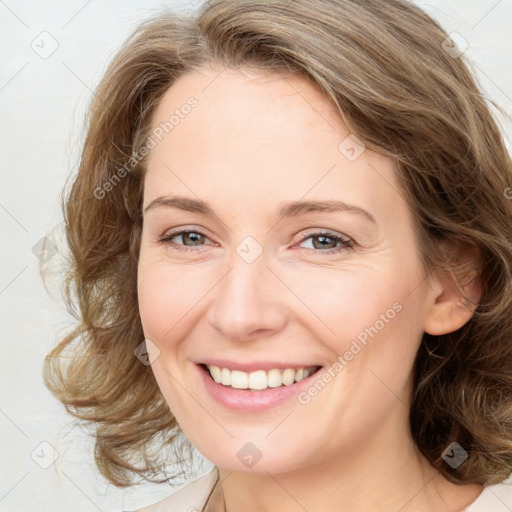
190 497
495 498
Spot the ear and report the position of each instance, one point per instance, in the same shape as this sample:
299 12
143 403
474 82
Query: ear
454 293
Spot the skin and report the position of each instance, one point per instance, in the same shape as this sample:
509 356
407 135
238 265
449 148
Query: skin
254 141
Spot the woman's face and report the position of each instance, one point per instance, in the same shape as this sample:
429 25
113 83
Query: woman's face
259 281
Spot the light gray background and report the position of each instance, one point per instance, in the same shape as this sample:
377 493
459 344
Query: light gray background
42 102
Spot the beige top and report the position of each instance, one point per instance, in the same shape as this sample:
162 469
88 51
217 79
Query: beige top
191 498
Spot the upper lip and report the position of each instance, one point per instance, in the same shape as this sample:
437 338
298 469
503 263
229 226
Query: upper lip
254 365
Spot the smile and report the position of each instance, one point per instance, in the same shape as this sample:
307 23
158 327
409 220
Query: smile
255 390
259 379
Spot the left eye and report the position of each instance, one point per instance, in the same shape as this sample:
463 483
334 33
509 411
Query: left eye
325 241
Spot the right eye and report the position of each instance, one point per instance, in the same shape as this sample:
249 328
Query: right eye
187 236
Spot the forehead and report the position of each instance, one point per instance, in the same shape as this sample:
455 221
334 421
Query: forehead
260 102
260 136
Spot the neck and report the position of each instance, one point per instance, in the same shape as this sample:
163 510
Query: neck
372 474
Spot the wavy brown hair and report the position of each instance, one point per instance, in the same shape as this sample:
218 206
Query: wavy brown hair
383 65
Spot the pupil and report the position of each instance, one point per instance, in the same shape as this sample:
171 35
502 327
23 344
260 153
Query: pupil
324 238
190 237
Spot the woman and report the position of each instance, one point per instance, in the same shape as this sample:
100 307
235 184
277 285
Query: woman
291 241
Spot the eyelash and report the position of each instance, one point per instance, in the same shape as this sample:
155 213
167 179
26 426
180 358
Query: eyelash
346 243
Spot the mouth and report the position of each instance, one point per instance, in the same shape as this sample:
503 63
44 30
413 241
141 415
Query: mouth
258 380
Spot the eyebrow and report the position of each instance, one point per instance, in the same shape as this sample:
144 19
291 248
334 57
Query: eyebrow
290 209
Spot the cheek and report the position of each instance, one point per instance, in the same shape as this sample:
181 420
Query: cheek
370 322
342 306
378 337
170 298
156 301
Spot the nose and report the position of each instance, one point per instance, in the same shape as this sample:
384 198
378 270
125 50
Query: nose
249 301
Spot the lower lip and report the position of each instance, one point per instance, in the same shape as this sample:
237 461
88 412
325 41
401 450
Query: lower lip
251 400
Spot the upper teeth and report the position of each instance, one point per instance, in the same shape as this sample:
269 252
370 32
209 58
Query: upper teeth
259 379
